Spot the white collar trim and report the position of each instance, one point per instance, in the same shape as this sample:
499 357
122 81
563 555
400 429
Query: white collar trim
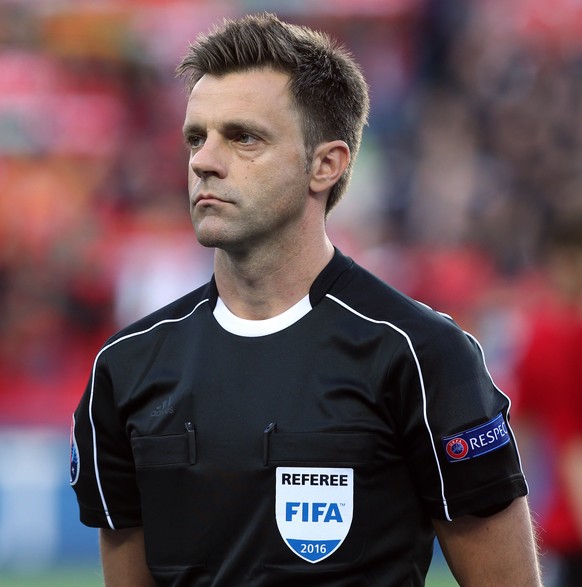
243 327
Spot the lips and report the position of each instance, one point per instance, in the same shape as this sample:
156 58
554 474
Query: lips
207 198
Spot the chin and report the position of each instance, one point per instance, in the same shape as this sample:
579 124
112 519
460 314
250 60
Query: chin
207 241
206 236
212 239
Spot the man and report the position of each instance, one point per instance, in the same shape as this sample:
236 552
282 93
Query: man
295 421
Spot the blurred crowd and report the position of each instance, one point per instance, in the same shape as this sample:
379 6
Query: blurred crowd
473 149
472 158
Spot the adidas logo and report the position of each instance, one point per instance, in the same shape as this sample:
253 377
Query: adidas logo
163 409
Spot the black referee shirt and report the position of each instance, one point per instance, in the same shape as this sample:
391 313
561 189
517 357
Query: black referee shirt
313 452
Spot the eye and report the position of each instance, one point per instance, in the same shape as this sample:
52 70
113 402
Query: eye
194 141
245 138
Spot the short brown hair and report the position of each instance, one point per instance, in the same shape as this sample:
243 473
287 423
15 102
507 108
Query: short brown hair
326 83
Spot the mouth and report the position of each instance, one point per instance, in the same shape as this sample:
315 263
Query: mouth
207 199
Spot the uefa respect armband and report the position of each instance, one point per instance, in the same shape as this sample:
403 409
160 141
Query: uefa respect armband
476 441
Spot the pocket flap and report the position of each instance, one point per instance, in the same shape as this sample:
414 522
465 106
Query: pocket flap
321 447
169 449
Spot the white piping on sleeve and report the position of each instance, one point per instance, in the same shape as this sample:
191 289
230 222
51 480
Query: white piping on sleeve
91 397
422 388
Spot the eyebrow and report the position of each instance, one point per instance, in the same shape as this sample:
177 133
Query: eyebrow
190 128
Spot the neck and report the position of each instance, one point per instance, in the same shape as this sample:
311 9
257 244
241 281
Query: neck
260 285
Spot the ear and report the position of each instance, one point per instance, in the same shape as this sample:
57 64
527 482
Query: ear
329 162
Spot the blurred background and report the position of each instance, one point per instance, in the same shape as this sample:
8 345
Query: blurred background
473 151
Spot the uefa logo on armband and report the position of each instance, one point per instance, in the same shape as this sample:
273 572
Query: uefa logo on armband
314 509
457 448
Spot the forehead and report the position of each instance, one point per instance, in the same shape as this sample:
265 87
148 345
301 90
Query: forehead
261 92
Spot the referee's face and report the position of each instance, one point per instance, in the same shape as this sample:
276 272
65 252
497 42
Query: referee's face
247 172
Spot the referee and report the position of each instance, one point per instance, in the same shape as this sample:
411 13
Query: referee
295 421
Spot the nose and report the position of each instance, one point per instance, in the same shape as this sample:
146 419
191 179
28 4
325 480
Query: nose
209 159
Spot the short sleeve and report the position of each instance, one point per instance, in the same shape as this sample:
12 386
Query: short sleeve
456 435
102 467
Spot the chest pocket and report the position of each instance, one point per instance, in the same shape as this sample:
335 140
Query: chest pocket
331 448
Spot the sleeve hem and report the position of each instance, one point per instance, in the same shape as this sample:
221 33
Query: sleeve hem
98 519
485 498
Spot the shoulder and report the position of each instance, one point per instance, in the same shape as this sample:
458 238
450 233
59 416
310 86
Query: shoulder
171 315
434 341
364 294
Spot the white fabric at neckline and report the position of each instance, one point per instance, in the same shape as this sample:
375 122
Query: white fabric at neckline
250 328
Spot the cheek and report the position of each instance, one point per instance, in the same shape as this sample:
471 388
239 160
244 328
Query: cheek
191 175
193 180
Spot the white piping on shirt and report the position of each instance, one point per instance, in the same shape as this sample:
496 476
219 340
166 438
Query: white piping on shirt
478 344
94 432
422 388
